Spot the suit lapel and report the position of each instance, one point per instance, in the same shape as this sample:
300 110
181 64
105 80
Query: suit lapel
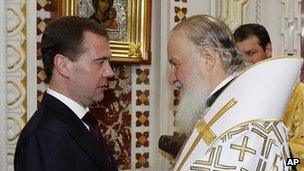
77 130
88 144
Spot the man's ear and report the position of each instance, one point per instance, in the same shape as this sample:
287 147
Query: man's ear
209 57
62 65
268 50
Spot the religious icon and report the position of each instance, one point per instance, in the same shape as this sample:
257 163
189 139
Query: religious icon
101 11
128 23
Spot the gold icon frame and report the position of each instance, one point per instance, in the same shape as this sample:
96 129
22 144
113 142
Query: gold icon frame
137 48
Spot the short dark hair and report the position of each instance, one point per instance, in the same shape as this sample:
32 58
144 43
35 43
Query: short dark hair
65 36
247 30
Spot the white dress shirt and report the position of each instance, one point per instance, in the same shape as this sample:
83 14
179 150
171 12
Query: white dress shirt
74 106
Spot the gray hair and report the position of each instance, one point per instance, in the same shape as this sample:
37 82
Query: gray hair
205 30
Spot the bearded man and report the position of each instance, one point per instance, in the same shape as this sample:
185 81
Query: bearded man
196 97
231 119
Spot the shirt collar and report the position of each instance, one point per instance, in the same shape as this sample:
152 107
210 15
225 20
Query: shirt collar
224 82
74 106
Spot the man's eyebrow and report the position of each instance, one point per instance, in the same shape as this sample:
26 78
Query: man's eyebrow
102 58
250 51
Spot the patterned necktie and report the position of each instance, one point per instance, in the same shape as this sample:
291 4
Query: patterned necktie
96 134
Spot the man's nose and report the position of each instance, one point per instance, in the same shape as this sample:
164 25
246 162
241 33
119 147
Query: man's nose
172 76
248 60
108 71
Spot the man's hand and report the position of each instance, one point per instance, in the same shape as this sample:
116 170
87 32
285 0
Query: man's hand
172 143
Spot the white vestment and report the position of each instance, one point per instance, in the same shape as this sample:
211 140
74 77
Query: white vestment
257 145
243 129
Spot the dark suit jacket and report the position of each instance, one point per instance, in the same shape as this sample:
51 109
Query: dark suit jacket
56 139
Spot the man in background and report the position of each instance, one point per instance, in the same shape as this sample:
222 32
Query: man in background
63 134
254 41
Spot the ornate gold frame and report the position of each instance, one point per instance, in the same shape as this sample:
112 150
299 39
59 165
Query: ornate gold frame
137 49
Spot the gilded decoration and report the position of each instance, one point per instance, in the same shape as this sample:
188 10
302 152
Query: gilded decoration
245 148
204 130
294 121
128 23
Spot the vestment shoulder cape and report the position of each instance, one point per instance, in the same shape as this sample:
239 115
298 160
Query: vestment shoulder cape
243 129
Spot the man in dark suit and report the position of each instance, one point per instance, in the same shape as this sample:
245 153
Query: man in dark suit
62 134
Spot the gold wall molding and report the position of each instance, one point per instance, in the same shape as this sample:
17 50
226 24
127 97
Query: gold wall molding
232 12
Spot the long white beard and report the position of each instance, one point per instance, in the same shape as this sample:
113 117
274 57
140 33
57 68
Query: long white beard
193 103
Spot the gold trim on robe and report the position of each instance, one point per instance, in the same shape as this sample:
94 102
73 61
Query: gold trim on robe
294 121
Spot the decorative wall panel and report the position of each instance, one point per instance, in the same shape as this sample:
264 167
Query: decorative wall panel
180 13
44 8
115 116
290 26
16 53
258 11
141 101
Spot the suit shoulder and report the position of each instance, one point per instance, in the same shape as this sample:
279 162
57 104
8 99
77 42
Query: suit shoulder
43 120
